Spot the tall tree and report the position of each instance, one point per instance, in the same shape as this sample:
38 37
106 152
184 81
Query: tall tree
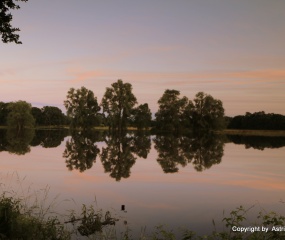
205 112
171 109
82 107
20 115
118 102
6 30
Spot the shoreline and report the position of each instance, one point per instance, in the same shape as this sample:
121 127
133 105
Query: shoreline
247 132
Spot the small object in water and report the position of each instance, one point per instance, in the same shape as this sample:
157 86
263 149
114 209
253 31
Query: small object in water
123 208
125 222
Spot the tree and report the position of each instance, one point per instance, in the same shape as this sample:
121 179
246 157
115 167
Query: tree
6 30
117 103
258 121
38 115
205 112
82 107
4 111
171 109
142 116
53 116
20 115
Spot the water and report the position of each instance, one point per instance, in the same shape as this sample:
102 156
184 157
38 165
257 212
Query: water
175 181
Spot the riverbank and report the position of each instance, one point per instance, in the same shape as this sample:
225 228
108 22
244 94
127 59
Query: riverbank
262 133
17 222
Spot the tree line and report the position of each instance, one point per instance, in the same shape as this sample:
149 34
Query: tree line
118 110
21 114
258 121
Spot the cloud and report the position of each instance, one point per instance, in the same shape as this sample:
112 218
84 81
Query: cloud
183 78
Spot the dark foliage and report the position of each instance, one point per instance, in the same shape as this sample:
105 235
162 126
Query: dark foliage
258 121
258 142
6 30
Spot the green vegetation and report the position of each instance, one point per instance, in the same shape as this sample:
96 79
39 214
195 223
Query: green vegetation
20 115
6 30
16 222
19 222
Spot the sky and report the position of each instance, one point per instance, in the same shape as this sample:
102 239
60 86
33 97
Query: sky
232 50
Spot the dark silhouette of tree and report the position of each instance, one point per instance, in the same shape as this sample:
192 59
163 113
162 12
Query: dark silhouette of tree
117 157
118 103
4 111
53 116
81 150
170 115
20 115
38 116
82 107
258 121
205 112
141 117
7 32
19 141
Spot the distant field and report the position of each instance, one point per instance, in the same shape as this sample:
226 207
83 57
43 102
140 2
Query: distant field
269 133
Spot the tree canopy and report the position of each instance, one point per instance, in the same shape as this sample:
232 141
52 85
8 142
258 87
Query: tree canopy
118 103
20 115
82 107
141 117
205 112
8 32
258 120
171 109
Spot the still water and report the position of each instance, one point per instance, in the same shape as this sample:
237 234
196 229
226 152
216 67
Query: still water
178 181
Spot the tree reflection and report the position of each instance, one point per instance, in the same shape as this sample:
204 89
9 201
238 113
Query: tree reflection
206 150
258 142
202 151
170 153
81 151
49 138
142 144
18 142
118 156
